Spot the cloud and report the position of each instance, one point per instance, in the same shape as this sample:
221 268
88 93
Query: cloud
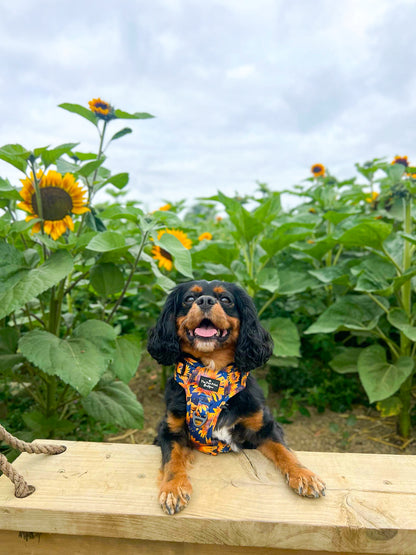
241 90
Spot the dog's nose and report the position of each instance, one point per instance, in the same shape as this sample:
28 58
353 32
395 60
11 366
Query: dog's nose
205 302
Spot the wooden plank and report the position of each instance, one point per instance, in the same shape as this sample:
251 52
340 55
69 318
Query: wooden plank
109 490
53 544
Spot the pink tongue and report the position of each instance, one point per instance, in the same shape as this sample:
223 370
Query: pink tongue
205 332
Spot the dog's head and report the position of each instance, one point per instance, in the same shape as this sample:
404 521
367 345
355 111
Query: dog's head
203 317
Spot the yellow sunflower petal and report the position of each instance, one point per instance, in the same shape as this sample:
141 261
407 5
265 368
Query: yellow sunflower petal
69 223
68 198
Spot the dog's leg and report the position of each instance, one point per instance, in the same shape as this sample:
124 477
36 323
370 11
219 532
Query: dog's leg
302 480
267 436
175 487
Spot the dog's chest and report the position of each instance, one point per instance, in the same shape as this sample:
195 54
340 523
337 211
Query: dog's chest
223 430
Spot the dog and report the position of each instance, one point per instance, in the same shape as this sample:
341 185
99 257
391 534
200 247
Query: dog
211 331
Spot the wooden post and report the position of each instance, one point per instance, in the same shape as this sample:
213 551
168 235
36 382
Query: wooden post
102 498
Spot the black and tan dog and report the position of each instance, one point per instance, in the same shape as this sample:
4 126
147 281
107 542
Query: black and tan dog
211 331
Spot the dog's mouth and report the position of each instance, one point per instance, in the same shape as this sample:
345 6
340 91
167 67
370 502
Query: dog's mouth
207 331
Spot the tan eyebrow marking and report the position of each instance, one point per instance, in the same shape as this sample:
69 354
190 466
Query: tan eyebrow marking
219 289
196 289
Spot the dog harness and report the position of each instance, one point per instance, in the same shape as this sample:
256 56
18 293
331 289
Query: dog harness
207 391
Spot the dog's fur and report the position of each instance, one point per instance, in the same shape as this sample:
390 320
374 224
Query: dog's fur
245 421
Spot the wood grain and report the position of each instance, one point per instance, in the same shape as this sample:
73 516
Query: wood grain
110 490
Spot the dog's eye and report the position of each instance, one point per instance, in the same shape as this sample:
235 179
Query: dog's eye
189 299
225 300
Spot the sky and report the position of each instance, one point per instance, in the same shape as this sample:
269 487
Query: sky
242 90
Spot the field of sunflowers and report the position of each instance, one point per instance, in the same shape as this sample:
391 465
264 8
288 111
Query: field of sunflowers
81 282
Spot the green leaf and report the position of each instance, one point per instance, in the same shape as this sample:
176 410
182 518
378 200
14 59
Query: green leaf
106 278
380 378
400 280
338 216
90 167
352 312
268 279
80 110
330 274
115 403
390 407
7 191
20 285
45 426
294 279
127 358
394 171
319 248
120 114
282 238
119 180
107 241
408 237
285 337
16 155
346 361
50 156
210 251
121 133
248 226
269 209
9 338
79 361
399 319
165 283
116 211
374 274
181 255
370 233
63 166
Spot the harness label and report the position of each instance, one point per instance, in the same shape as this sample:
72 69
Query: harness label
209 383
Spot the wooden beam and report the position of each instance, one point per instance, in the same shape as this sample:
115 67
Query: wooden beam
100 490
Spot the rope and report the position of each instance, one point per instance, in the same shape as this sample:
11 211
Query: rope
22 488
22 446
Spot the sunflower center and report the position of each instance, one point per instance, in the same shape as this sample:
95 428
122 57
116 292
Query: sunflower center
165 254
102 105
56 203
316 169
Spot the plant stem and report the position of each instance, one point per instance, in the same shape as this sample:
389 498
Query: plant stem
404 423
100 151
392 346
130 277
268 302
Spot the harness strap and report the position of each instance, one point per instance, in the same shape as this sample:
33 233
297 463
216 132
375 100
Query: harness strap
207 391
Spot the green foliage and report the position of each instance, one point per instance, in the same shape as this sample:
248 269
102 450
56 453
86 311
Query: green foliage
65 301
333 280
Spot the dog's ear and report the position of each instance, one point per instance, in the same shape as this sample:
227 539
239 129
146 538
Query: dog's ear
163 342
254 345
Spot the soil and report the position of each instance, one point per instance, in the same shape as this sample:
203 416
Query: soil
361 430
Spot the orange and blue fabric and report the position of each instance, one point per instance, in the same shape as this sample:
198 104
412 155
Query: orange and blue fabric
207 391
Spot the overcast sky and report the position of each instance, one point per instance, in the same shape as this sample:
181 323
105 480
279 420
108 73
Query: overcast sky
242 90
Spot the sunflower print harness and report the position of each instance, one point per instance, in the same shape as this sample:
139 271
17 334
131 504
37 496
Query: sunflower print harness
207 391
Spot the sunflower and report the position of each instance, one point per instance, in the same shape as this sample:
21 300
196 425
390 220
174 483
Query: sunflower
318 170
101 109
206 235
165 207
373 198
401 160
164 258
60 197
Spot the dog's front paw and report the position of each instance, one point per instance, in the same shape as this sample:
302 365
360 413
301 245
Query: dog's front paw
306 483
175 495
